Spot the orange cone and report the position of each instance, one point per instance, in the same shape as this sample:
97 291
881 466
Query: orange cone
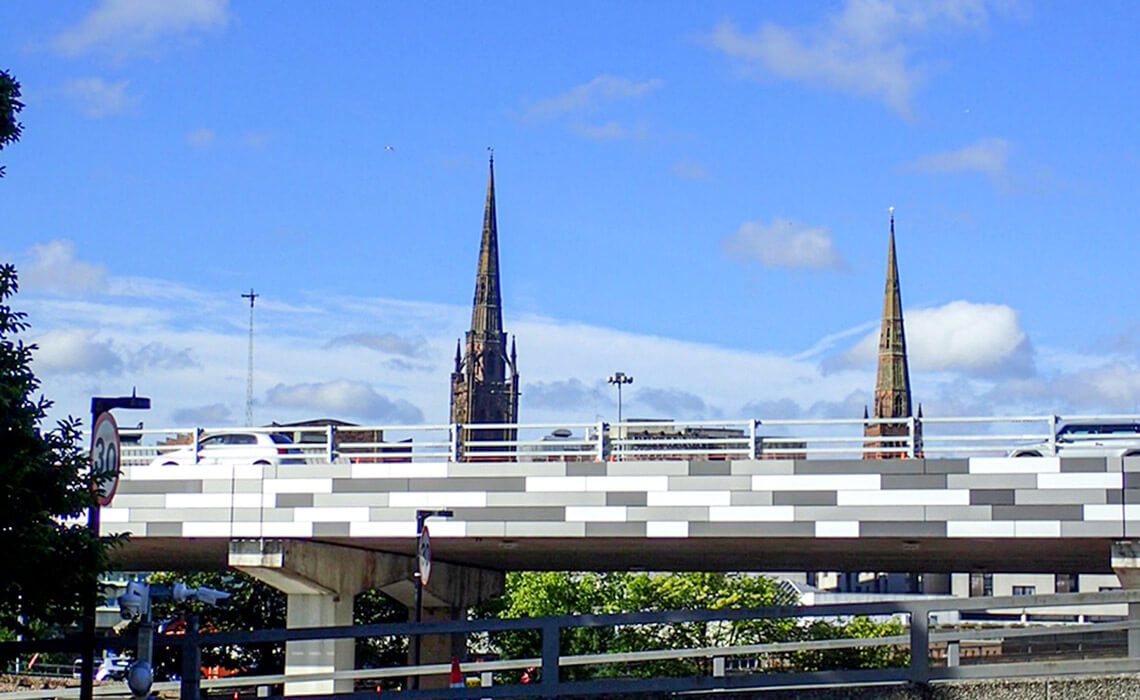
456 674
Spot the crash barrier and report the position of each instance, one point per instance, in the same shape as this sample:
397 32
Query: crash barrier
935 638
911 437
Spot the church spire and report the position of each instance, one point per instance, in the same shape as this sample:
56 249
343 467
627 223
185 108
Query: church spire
487 312
892 382
485 383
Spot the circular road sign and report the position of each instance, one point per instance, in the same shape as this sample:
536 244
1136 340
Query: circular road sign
423 549
105 456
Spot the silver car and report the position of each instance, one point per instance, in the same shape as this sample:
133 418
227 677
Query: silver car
235 447
1100 439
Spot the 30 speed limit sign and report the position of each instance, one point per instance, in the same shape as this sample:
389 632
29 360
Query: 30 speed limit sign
424 556
105 456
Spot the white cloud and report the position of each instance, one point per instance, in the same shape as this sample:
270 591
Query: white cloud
201 138
414 347
344 398
784 243
612 131
978 339
674 403
124 27
97 98
864 49
987 156
256 139
602 89
52 267
215 414
75 351
568 395
690 170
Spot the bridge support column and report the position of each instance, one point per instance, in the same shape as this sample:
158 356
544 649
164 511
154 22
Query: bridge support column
320 581
1126 564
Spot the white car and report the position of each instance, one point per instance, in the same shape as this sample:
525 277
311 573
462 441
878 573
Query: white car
1101 439
235 447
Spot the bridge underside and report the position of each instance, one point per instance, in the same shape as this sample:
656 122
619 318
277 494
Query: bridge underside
933 555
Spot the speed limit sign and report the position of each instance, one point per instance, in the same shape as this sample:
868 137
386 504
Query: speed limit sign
105 457
423 550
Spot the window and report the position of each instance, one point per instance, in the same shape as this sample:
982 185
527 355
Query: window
1025 590
213 441
1065 583
241 439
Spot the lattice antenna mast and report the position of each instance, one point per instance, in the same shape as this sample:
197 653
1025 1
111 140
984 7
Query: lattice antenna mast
252 296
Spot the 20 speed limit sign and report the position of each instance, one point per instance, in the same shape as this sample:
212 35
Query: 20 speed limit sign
105 457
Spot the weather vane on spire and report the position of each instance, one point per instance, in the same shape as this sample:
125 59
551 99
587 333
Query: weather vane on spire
491 150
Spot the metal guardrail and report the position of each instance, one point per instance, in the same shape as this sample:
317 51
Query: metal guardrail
919 639
626 441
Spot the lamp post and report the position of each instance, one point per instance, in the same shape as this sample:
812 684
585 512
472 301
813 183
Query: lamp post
423 549
617 379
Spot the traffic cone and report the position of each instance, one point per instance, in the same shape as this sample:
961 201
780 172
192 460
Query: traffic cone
456 674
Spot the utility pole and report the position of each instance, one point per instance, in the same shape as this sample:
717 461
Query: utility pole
252 296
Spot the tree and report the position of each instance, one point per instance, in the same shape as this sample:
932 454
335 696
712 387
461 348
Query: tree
254 605
10 106
555 593
45 488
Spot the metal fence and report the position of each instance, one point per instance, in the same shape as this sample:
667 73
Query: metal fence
629 440
933 651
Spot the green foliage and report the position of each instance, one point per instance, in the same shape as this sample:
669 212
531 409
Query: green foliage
252 605
10 106
44 490
555 593
371 608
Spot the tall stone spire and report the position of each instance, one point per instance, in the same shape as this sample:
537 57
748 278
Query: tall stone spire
487 311
892 381
485 383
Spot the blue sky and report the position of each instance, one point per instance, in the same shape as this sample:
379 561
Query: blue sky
693 193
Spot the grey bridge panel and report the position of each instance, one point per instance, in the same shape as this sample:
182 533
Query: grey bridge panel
950 514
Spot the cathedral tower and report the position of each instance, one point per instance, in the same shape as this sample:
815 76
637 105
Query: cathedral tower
481 390
892 381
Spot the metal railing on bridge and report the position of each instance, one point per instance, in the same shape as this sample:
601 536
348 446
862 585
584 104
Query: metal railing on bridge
934 645
626 441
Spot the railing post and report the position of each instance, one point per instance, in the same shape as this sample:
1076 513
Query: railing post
919 645
191 661
197 438
601 432
454 457
330 437
1053 435
551 633
752 446
911 436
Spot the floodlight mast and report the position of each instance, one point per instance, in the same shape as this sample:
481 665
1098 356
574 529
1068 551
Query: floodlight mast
252 296
617 379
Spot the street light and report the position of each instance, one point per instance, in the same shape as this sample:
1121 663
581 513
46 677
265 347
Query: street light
423 550
619 378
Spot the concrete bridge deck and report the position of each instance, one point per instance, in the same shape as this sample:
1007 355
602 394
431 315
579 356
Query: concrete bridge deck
1047 514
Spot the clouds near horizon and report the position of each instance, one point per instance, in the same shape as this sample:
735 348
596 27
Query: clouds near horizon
962 336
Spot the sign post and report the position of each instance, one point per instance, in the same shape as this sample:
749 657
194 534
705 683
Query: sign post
422 574
104 480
